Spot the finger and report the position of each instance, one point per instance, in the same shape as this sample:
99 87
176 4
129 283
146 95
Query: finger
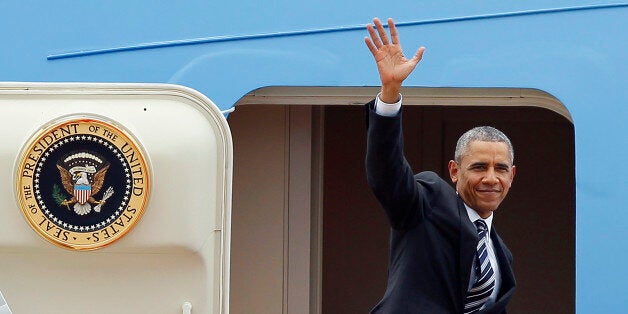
394 35
370 45
418 55
374 37
380 29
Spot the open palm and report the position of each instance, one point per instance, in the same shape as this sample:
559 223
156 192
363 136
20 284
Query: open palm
392 65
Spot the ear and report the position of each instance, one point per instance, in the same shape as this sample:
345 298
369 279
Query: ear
453 171
512 174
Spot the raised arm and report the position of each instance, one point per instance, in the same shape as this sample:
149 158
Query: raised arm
389 174
392 64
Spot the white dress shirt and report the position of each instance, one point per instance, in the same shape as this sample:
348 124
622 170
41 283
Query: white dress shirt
385 109
473 215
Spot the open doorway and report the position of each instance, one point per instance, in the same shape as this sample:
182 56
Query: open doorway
343 231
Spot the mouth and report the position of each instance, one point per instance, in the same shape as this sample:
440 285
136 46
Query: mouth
489 192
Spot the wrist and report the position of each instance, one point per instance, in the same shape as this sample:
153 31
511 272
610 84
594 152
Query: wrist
390 93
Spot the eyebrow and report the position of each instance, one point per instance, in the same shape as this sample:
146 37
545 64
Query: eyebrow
484 164
478 164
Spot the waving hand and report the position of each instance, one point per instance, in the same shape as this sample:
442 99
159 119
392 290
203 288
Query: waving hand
392 65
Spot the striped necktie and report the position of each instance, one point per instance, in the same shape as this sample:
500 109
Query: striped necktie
485 277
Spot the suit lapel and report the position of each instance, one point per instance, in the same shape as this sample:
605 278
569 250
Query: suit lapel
468 248
504 260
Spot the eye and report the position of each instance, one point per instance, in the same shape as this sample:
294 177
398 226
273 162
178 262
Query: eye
502 168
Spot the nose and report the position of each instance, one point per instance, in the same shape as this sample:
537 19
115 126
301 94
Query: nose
490 177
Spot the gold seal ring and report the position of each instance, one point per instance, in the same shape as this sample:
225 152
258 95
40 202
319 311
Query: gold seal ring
82 182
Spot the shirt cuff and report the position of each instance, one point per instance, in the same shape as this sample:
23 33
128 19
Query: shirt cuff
385 109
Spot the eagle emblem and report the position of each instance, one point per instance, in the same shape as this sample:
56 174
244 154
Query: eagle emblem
83 182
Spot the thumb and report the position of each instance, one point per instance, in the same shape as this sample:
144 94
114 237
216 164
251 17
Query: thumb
418 55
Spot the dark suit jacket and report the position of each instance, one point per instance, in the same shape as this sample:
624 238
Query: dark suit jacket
433 242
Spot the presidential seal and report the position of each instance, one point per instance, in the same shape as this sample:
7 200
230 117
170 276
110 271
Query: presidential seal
82 182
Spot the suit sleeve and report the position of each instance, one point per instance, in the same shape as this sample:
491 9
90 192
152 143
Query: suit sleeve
389 175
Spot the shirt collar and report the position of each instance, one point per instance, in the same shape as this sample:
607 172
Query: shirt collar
473 216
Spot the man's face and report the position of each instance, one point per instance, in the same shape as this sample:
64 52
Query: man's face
484 176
